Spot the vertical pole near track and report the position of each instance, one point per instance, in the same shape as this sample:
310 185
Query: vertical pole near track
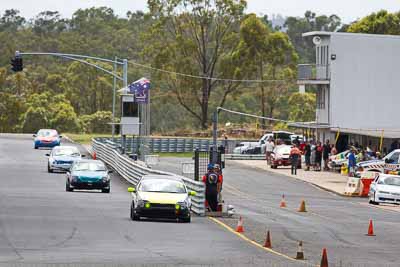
125 85
113 101
215 134
196 164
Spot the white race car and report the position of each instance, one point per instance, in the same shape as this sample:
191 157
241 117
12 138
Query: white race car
385 189
62 157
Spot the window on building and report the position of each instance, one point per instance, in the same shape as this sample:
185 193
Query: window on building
130 109
321 98
323 55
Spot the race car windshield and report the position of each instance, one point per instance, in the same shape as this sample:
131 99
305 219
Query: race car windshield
392 181
66 152
162 186
46 133
89 166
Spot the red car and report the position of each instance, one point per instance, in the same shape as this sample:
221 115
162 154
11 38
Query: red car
281 157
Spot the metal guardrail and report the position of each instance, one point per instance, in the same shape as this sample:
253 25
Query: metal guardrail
174 145
245 156
131 171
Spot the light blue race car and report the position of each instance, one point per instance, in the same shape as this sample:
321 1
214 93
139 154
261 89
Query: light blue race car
46 138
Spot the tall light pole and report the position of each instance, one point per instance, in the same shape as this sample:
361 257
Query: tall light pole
83 59
114 99
125 85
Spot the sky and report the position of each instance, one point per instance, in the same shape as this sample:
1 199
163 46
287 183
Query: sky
348 10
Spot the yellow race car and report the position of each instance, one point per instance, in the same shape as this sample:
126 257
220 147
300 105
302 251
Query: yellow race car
161 196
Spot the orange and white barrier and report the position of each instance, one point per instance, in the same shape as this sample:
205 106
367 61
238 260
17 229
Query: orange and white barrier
353 186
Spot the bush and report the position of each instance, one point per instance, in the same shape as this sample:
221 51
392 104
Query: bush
65 119
97 122
34 119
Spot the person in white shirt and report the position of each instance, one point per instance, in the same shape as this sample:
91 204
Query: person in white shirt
269 147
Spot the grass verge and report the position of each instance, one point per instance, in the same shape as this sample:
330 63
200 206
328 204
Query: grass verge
84 138
177 155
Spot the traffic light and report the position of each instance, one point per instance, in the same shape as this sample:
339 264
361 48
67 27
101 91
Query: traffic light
17 64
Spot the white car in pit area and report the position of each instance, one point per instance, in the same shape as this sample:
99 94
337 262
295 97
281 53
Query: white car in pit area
385 189
379 165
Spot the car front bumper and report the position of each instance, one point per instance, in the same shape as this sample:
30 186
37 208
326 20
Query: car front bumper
281 162
61 166
162 211
284 162
387 198
90 185
46 144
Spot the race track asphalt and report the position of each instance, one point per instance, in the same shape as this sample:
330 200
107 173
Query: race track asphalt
337 223
42 224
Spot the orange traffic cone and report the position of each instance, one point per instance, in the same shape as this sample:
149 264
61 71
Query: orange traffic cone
324 259
239 227
94 155
300 253
268 243
302 207
283 202
370 229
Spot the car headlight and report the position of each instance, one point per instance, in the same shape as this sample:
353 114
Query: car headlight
143 203
383 192
106 179
74 178
181 205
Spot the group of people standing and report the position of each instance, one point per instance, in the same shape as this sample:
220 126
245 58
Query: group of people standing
315 152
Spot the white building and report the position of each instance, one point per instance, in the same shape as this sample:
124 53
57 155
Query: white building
357 78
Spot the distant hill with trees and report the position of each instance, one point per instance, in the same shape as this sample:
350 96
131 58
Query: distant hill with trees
218 41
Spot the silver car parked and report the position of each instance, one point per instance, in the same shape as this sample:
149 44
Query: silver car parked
62 157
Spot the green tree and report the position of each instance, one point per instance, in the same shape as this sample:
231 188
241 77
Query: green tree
97 122
302 107
310 22
381 22
11 108
269 56
11 21
34 119
188 36
64 118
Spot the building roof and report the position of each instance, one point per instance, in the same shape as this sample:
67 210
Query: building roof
387 133
325 33
309 125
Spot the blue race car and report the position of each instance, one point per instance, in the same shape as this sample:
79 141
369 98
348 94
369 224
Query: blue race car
46 138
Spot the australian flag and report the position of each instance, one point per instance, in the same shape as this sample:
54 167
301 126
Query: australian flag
140 89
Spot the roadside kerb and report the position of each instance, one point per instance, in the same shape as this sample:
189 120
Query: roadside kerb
132 171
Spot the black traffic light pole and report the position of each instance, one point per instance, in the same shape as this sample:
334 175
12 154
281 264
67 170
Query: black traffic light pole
17 63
